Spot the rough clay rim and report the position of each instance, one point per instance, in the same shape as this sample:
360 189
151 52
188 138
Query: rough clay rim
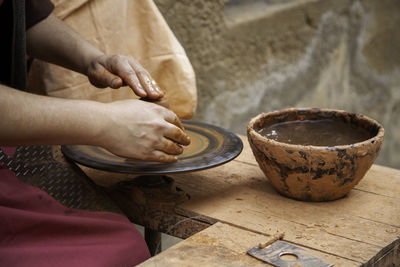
378 136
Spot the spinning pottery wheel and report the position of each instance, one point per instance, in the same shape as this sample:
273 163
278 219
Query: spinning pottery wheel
210 146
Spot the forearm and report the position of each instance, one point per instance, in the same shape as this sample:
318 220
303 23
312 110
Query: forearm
28 119
53 41
127 128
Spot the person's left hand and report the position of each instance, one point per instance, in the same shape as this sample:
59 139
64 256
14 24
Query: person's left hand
117 70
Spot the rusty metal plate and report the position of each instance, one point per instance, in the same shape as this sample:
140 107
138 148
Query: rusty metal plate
210 146
274 255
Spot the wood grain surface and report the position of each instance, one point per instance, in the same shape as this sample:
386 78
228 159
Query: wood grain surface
361 229
223 245
357 227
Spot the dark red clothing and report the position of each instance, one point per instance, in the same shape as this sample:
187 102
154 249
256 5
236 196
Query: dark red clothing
35 230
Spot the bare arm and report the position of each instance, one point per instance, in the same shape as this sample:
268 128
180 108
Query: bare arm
128 128
28 119
53 41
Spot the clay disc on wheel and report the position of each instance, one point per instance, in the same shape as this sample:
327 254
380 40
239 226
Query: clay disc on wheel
210 146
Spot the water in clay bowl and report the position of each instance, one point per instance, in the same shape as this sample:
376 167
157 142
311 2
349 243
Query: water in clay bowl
314 154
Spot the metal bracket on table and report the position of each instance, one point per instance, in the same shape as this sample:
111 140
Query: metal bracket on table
274 254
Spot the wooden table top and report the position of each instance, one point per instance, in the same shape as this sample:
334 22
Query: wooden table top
361 228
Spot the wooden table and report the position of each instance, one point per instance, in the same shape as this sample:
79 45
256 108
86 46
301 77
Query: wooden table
233 208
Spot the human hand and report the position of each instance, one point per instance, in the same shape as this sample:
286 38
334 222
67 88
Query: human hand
142 130
117 70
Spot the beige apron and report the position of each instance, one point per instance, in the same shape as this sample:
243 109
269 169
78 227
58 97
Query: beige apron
130 27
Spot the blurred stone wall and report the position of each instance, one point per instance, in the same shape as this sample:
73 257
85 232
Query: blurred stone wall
253 56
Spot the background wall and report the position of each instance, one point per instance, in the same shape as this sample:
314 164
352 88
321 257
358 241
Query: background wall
253 56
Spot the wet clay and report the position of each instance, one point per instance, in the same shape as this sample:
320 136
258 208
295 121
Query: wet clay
326 132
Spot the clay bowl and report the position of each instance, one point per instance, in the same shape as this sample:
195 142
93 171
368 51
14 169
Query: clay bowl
314 173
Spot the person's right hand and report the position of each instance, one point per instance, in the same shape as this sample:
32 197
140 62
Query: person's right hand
142 130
